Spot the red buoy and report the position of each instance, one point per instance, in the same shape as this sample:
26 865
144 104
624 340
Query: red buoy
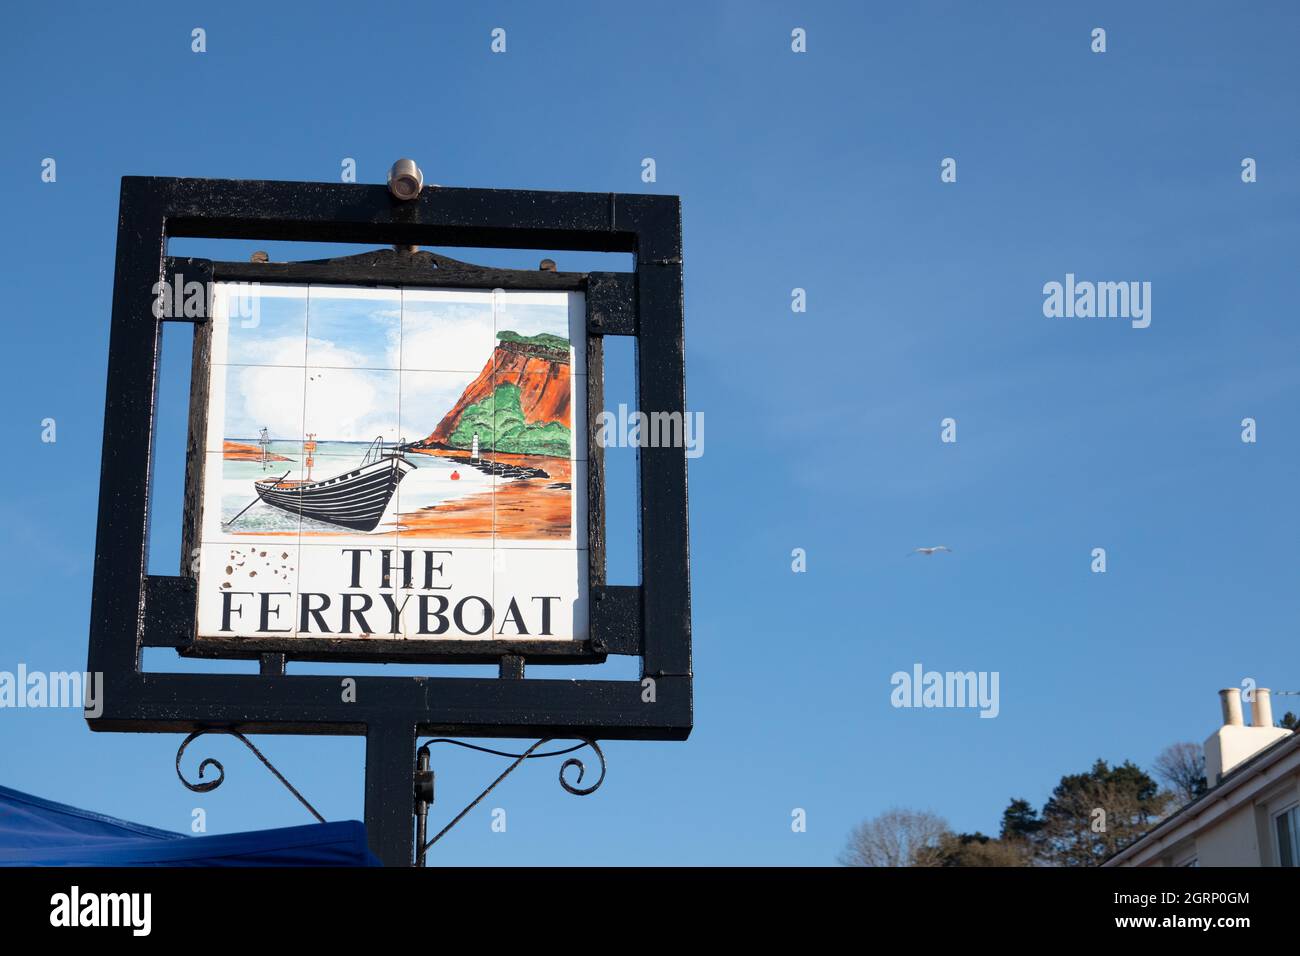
455 476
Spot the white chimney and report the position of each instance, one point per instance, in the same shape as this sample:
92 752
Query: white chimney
1261 711
1230 703
1234 743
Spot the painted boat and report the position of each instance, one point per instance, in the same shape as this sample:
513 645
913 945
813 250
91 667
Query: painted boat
355 499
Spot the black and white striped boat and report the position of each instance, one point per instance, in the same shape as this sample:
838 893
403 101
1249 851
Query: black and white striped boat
355 499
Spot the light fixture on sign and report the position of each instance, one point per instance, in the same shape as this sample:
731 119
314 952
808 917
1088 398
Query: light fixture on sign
405 179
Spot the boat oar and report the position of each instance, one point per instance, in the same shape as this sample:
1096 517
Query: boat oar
255 500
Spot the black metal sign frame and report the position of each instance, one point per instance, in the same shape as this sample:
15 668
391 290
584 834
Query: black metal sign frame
131 609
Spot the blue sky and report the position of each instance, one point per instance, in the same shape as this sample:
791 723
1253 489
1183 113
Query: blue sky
818 171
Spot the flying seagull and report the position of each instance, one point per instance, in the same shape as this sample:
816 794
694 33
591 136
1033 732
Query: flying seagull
940 547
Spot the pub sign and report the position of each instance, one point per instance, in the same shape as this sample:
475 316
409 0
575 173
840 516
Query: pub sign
390 465
391 458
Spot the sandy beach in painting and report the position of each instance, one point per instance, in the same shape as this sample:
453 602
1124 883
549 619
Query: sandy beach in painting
239 451
524 508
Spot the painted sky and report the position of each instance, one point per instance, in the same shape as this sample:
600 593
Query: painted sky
355 364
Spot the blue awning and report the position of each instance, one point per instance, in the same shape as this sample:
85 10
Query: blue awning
37 832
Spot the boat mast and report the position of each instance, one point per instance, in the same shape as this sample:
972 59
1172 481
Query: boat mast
265 442
474 452
309 446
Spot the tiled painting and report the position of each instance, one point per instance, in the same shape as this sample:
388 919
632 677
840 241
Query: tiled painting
395 463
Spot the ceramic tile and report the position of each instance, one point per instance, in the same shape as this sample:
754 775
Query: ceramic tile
246 400
447 330
447 503
541 392
433 405
348 590
541 317
540 593
448 495
259 324
351 327
241 503
543 512
351 501
353 491
450 593
346 409
247 588
551 417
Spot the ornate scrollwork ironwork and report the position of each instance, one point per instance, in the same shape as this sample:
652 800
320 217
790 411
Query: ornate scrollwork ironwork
530 754
207 762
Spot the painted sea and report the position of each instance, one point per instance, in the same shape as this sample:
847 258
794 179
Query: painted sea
431 483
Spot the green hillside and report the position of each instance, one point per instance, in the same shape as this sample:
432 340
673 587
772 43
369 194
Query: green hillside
499 422
544 339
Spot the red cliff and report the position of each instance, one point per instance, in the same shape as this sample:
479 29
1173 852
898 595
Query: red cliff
542 376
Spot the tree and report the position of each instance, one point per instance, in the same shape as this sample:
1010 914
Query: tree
1289 720
1182 768
897 837
914 838
976 849
1020 821
1091 816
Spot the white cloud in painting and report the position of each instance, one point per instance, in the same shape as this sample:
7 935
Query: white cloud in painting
259 396
349 404
447 336
326 353
427 397
281 350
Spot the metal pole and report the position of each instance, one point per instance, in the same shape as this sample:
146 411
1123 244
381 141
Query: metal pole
423 799
390 792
